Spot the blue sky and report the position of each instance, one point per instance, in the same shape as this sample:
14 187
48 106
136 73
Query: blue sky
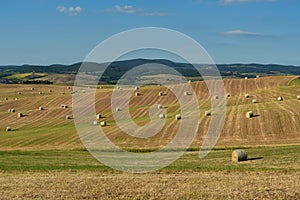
232 31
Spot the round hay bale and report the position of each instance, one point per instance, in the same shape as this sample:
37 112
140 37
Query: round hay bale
249 114
207 113
20 114
50 90
247 95
98 116
41 108
19 93
246 78
137 88
186 93
5 98
69 87
189 81
162 116
11 110
32 88
65 106
160 106
228 95
254 101
178 117
280 98
68 117
40 92
298 97
8 128
216 97
137 94
239 155
16 98
118 109
257 76
95 123
103 123
160 94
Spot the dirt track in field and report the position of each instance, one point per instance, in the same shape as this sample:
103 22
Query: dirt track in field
276 122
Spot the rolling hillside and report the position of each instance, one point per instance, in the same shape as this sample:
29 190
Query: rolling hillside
58 73
276 122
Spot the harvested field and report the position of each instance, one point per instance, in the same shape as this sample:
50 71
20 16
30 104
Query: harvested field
183 185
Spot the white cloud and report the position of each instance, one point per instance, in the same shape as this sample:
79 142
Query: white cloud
72 11
241 33
128 9
243 1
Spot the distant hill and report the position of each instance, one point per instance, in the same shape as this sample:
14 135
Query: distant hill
58 73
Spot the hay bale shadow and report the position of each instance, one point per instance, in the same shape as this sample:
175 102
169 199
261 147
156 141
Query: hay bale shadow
255 158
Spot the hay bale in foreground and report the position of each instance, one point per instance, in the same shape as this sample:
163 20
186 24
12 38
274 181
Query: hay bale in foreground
41 108
249 114
68 117
280 98
207 113
254 101
160 94
20 114
178 117
137 94
40 92
103 123
5 98
298 97
239 155
247 95
8 128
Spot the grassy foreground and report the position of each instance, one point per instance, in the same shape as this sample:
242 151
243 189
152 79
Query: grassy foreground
274 158
271 173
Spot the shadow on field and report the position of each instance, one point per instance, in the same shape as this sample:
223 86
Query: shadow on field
256 158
